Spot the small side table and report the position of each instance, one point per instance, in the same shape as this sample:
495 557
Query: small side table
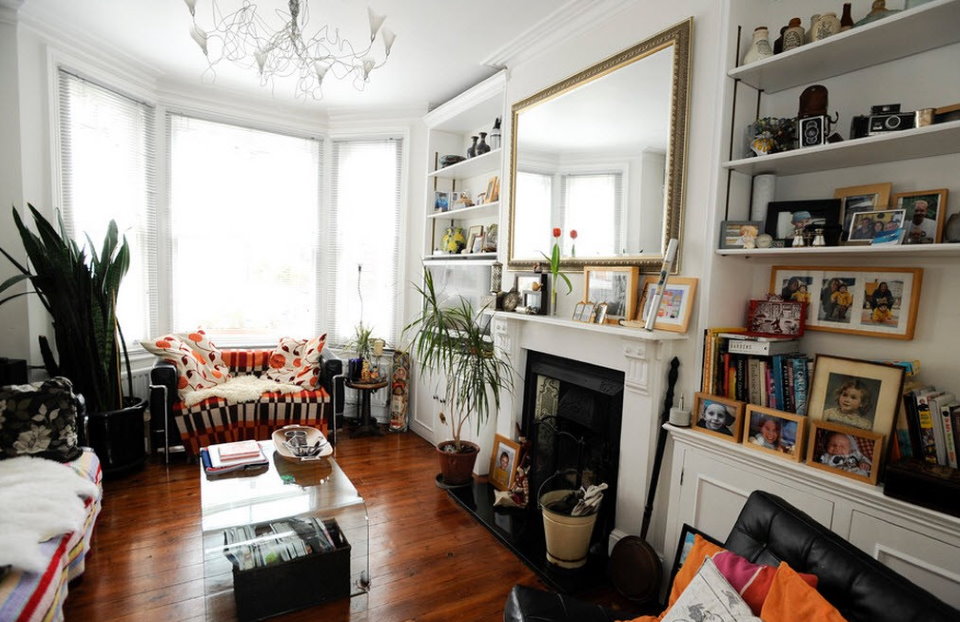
367 427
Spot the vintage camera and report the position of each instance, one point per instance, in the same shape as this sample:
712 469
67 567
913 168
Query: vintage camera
813 130
882 118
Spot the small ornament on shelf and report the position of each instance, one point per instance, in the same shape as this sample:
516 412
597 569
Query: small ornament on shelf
793 36
759 47
472 149
495 134
482 146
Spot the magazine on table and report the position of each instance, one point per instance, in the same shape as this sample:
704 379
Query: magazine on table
214 463
275 542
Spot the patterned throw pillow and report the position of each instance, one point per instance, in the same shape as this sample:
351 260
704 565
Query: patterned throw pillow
192 369
212 356
296 361
39 419
710 597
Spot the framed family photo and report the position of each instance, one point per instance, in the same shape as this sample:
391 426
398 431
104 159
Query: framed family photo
924 214
774 432
503 462
875 302
718 416
784 217
676 306
859 394
845 451
858 199
614 285
869 226
736 233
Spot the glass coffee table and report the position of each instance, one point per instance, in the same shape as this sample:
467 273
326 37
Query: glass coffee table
281 538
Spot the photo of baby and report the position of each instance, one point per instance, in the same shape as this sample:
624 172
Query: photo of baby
718 416
844 452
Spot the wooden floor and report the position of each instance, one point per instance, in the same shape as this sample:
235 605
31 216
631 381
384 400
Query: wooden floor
429 559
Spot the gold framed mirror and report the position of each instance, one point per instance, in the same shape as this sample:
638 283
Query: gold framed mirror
603 153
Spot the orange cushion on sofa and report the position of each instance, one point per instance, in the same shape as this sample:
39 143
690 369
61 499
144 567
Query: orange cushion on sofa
792 599
701 549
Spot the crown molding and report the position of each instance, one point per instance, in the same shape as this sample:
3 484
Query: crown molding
570 19
9 10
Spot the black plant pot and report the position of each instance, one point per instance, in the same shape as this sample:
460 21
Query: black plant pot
117 437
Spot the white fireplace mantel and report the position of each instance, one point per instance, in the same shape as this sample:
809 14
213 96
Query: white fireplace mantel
642 356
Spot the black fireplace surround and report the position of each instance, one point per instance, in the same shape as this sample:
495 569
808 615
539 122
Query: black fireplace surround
572 413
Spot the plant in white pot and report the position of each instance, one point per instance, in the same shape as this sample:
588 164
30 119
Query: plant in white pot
450 339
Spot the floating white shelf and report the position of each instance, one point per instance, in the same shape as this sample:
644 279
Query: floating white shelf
921 142
472 258
926 27
912 250
474 211
488 162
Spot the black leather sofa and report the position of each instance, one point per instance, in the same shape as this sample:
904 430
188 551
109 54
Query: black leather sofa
769 530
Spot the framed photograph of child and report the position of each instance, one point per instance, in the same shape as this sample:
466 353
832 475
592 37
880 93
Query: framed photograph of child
503 462
719 416
846 451
676 306
614 285
858 199
863 395
783 218
441 201
739 233
924 215
875 302
775 432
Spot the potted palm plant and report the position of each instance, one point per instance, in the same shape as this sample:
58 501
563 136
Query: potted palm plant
449 339
79 290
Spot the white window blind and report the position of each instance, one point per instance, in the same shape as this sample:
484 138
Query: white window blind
533 227
363 231
107 172
244 208
589 199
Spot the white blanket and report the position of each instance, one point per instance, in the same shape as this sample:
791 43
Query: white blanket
239 389
40 499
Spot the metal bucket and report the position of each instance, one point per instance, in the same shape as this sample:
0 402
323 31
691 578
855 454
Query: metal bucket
568 537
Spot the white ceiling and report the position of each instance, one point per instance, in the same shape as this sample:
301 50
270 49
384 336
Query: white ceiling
439 51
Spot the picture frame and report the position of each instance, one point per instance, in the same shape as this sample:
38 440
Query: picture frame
857 199
708 408
503 462
584 312
848 299
791 432
532 288
783 217
855 393
474 238
614 285
684 544
736 233
490 235
600 315
441 201
776 318
863 227
677 304
846 451
493 190
936 202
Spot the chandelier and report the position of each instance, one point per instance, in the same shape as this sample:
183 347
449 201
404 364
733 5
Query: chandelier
245 38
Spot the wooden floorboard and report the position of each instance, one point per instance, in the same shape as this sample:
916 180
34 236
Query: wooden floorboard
429 559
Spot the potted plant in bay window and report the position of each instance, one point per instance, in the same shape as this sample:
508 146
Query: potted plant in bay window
79 290
449 339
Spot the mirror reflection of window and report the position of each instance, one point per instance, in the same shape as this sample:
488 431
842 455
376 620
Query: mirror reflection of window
533 227
591 202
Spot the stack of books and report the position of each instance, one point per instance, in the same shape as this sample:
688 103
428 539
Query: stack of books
228 457
927 428
269 544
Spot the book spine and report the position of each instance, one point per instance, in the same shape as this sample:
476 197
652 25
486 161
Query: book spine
788 402
767 384
707 372
928 439
955 421
913 424
728 376
741 388
800 382
753 378
777 367
945 412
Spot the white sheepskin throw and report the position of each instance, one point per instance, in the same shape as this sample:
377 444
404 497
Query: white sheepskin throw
41 499
239 389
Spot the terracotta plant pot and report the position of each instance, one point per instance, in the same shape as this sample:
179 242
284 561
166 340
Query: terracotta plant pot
457 468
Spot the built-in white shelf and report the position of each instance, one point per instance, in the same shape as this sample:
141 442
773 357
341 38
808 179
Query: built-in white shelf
609 329
926 27
910 250
488 162
474 211
921 142
478 258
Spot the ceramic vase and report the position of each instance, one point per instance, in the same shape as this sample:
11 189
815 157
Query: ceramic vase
808 37
827 25
759 47
793 36
482 146
846 20
878 10
472 149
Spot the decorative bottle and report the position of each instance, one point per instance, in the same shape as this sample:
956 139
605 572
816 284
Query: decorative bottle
778 42
472 149
482 146
759 47
846 20
793 37
878 10
495 134
808 38
827 25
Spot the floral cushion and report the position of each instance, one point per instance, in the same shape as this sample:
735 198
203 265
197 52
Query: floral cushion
212 356
39 419
192 369
309 374
286 361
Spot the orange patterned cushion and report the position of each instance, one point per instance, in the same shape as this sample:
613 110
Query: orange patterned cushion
194 374
792 599
198 340
291 363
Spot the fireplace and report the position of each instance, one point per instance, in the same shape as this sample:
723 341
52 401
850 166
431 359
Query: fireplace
572 417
